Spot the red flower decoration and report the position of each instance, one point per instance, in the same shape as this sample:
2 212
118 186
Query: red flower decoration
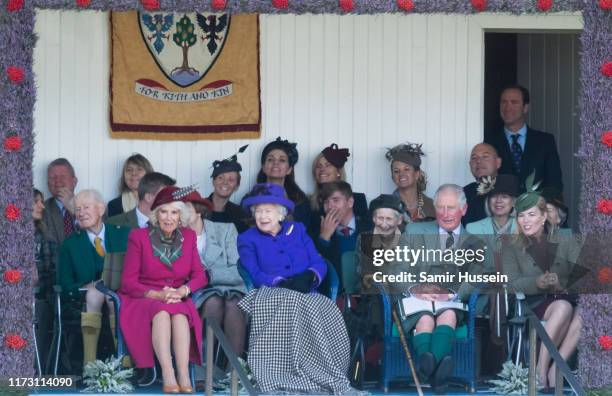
15 74
12 143
605 275
280 3
604 206
606 342
11 212
12 276
150 5
406 5
14 5
346 5
479 5
606 69
14 341
605 4
218 4
83 3
545 5
606 138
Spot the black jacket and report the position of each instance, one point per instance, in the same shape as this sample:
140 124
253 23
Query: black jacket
540 155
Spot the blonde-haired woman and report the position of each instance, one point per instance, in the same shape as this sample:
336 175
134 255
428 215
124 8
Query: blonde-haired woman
539 266
162 268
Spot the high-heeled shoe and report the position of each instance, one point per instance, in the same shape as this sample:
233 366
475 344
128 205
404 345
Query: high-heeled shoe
172 389
186 389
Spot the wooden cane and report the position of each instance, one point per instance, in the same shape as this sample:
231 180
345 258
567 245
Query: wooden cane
407 351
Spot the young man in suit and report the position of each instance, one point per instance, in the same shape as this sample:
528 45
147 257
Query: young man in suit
338 229
524 150
149 186
59 214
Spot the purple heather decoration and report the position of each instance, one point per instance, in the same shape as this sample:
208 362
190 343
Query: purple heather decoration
17 42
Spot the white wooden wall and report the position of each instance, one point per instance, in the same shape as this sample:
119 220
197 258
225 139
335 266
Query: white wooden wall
364 82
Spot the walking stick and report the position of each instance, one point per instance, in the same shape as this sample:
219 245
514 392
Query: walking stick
407 351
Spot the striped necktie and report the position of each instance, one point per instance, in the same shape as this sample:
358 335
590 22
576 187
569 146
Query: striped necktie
450 240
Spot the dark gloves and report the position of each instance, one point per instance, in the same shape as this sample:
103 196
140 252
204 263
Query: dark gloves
302 282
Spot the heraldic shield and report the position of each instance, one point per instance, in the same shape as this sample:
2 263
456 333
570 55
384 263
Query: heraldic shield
184 45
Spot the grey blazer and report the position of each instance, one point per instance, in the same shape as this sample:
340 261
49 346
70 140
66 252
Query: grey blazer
220 257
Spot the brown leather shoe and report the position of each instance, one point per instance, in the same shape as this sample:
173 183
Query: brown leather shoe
186 389
173 389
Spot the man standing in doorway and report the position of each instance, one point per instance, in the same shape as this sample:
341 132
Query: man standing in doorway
524 150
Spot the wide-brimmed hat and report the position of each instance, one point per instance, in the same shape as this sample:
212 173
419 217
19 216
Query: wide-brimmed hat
229 164
554 197
387 201
409 153
500 184
336 156
270 193
284 145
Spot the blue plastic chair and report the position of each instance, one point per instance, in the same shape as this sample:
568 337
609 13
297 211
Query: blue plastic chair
331 279
395 365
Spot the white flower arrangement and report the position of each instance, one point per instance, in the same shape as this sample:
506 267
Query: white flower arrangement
514 380
107 377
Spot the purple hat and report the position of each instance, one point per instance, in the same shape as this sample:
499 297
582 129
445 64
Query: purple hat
267 193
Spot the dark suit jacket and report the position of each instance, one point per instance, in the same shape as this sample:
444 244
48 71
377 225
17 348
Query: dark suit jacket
54 222
125 219
476 204
540 155
115 207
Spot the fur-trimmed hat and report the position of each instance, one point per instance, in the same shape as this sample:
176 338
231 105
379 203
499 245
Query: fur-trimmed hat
409 153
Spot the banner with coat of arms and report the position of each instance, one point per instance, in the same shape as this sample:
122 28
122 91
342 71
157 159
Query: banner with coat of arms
184 76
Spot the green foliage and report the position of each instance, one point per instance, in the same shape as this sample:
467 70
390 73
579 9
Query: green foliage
599 392
107 377
184 36
513 380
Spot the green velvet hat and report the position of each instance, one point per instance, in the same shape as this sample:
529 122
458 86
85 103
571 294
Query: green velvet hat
529 198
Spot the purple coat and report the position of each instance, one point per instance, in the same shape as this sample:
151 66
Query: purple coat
142 271
270 259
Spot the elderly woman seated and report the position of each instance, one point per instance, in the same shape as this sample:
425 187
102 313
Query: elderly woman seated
81 263
162 268
298 342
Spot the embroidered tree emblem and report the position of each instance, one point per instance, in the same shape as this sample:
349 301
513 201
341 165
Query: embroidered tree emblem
185 37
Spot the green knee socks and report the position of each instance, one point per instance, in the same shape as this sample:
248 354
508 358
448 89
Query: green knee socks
442 341
421 343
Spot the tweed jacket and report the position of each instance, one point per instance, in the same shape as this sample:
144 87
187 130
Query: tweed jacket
54 222
125 219
523 271
80 264
425 235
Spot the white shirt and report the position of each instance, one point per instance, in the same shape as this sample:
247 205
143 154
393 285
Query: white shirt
93 236
351 226
143 220
444 236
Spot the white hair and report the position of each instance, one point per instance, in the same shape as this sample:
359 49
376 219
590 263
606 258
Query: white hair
458 190
398 215
282 210
94 194
184 215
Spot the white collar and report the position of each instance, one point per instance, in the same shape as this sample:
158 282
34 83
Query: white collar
143 221
456 231
93 236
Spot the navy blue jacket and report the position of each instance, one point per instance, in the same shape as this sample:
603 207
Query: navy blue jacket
270 259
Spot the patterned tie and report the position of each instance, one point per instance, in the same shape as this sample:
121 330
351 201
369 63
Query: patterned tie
517 152
68 223
99 247
450 240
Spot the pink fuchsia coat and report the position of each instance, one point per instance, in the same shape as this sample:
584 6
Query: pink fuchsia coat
142 271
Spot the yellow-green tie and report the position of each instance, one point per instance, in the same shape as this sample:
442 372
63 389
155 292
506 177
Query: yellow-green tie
99 247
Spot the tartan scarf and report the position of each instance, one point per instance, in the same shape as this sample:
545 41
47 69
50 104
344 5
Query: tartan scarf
168 249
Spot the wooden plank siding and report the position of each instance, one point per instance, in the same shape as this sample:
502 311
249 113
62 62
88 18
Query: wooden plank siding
364 82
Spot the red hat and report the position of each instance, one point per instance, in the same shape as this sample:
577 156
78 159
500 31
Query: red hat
175 194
